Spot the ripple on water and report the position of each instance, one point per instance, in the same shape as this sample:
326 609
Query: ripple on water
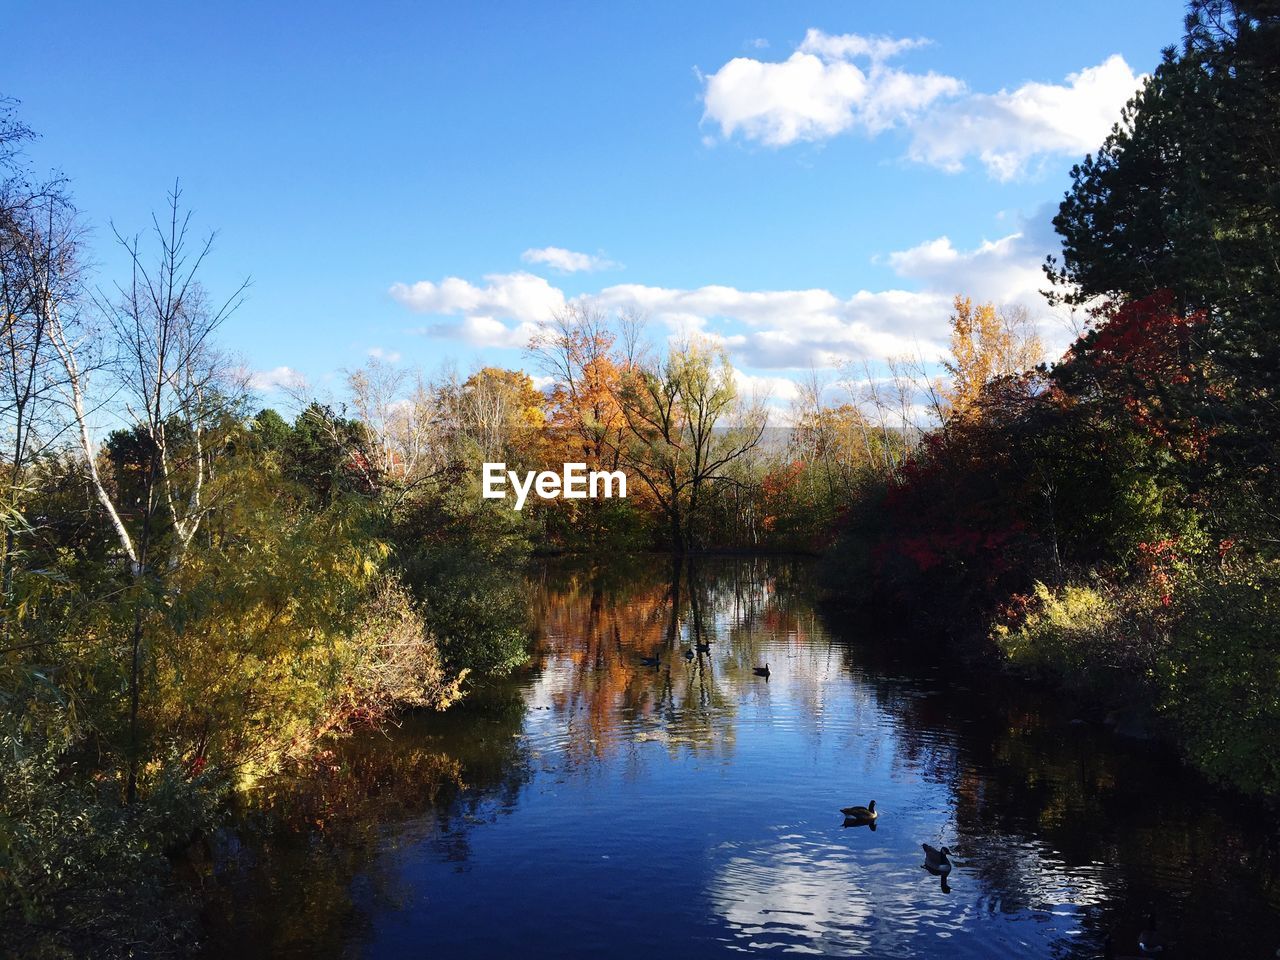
606 807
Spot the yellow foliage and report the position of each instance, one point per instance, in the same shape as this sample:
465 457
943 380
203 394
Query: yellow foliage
279 627
986 344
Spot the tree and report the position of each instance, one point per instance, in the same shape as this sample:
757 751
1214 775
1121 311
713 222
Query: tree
498 414
156 344
578 353
678 441
986 344
401 443
1184 197
39 270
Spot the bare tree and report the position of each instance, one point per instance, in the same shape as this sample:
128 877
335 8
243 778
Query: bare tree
401 444
39 269
170 384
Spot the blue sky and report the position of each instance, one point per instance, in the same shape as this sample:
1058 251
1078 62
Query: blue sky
776 176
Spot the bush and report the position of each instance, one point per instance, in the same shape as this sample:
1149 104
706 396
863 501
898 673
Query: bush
83 876
1220 677
1071 634
392 660
1093 637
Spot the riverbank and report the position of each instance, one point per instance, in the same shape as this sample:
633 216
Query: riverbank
1177 652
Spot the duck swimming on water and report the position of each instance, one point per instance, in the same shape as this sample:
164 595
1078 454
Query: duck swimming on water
762 671
935 860
861 813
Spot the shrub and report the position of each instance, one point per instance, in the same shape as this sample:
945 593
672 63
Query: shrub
1220 678
392 660
1065 633
83 876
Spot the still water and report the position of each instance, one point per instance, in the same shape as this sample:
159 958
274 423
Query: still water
596 805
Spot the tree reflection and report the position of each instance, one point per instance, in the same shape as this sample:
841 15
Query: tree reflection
1047 819
1050 810
304 861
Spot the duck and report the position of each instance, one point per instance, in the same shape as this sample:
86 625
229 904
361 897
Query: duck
762 671
861 813
651 661
935 860
703 647
1150 940
688 655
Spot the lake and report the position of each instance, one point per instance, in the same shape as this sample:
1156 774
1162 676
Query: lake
597 805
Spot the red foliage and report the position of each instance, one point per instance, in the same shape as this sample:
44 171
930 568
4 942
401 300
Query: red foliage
1143 353
1013 612
1156 561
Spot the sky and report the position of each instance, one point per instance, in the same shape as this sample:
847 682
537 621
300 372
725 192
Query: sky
807 184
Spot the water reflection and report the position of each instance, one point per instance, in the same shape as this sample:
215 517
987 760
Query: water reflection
640 790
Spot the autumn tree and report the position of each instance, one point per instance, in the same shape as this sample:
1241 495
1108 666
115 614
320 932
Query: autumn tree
494 414
686 424
579 352
986 343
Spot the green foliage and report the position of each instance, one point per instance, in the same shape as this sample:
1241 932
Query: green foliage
83 876
1220 677
1069 634
1184 197
270 432
477 610
278 623
252 651
461 557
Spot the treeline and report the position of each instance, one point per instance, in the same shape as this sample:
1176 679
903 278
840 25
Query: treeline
707 470
1110 521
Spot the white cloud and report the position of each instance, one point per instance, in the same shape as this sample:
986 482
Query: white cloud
832 84
775 330
522 296
378 353
568 261
528 300
819 91
790 329
1006 131
777 390
849 45
1005 271
278 378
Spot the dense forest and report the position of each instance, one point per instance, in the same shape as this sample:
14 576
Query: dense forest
197 591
